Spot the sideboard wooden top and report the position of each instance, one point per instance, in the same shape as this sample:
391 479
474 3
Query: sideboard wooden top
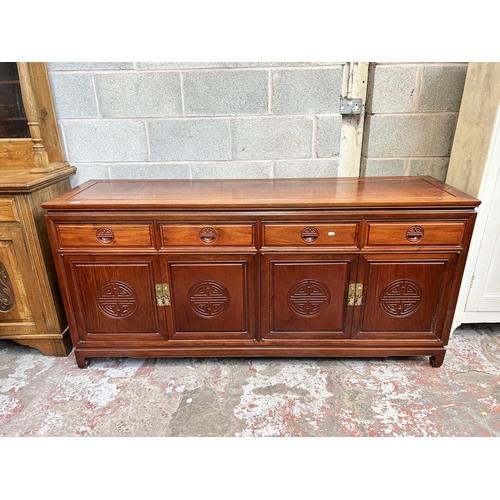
367 192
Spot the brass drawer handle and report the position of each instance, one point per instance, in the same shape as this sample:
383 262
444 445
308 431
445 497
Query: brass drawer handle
105 235
414 234
309 234
208 235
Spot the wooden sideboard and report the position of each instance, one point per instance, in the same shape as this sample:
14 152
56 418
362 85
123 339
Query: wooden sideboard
278 267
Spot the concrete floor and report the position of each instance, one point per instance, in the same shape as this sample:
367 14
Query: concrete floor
49 396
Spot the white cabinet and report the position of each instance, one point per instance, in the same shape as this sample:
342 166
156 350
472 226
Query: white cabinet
475 168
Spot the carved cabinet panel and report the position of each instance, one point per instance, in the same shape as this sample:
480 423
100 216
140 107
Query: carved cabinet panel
309 267
404 296
305 297
16 299
212 296
115 298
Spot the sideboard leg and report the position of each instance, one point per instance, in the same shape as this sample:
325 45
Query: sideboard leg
437 360
81 361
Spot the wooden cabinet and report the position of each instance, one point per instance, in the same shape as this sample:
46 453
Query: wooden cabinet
291 267
32 170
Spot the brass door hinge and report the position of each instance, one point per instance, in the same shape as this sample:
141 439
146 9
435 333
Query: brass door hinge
355 296
162 295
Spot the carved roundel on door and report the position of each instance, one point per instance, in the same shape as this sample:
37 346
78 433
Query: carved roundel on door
401 298
117 299
208 298
7 300
308 298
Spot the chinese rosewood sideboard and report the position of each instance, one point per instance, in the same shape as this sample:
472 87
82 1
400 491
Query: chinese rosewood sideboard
348 267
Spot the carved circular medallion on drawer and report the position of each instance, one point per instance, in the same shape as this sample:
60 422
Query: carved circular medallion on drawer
208 298
309 234
117 299
308 298
414 234
7 300
401 298
208 235
105 235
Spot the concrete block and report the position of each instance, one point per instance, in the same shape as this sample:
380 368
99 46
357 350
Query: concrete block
88 171
442 88
270 138
213 93
138 95
253 64
232 170
88 66
435 167
74 95
382 168
306 168
388 136
98 141
312 90
183 65
149 171
328 136
189 140
392 89
283 64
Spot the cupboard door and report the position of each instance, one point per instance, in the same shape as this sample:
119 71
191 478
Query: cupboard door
305 296
212 296
404 296
114 298
20 309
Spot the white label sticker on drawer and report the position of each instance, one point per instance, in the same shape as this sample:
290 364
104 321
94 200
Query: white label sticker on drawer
331 233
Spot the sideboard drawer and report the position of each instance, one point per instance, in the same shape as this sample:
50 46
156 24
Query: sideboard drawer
105 235
182 235
304 234
415 233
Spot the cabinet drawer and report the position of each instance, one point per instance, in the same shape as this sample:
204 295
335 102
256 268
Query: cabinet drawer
206 235
415 233
310 234
105 235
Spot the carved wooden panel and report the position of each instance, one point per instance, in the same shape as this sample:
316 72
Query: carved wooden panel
16 312
115 297
308 297
403 296
7 296
305 296
211 296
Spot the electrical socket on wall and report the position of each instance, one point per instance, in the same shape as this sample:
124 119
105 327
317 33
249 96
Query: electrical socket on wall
350 106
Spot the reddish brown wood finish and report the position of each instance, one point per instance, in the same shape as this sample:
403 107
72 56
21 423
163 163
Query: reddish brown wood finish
261 267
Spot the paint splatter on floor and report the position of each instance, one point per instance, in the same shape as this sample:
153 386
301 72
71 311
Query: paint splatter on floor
48 396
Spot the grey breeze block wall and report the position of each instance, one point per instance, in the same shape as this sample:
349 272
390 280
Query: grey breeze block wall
412 111
249 120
